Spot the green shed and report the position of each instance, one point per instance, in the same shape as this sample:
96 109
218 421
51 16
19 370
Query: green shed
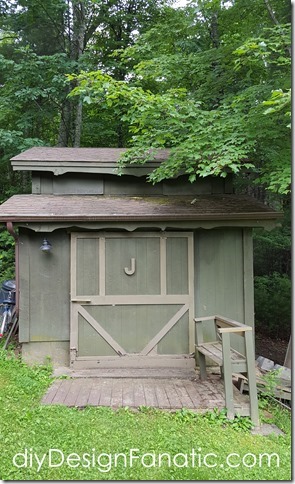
126 265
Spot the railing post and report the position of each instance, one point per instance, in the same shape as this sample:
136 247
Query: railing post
227 376
251 373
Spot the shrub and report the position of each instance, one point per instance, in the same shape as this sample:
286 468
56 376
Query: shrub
273 305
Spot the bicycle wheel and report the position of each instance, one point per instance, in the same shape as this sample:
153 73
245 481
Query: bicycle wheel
4 322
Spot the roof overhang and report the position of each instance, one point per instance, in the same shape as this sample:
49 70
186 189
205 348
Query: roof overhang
86 160
100 208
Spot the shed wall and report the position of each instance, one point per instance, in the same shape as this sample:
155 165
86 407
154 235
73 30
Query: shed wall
224 277
223 283
44 287
98 184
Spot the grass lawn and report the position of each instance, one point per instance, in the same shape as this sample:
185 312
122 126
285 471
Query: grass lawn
196 447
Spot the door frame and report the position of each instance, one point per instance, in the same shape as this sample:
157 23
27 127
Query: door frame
123 359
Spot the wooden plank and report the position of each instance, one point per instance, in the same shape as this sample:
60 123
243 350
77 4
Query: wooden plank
87 270
227 376
102 266
95 393
128 393
229 322
138 299
117 393
135 361
194 394
172 395
162 398
183 394
146 278
106 393
83 397
74 390
139 395
191 289
103 333
51 392
62 392
211 352
49 289
150 394
250 358
24 287
177 265
163 265
164 330
248 277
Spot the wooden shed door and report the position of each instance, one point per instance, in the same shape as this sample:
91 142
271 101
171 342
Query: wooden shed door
131 299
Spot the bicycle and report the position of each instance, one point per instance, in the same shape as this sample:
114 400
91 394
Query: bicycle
9 318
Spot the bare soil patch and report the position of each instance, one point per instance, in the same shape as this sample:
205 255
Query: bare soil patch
274 349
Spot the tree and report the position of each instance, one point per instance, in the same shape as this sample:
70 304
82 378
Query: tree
68 35
204 91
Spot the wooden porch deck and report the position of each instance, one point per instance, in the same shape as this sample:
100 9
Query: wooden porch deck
170 390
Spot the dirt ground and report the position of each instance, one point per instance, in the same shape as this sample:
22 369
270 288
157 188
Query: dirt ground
274 349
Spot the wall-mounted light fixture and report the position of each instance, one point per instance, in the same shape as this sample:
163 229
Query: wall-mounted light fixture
46 246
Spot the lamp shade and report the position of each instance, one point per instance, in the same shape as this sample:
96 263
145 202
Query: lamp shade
46 246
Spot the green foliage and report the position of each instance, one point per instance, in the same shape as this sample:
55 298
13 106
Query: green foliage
219 417
270 380
27 424
203 91
7 269
273 305
272 252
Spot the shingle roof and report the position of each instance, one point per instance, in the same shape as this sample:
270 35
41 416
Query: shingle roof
78 155
38 208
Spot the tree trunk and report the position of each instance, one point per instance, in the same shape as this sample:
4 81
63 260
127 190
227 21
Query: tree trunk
65 125
79 29
70 127
276 22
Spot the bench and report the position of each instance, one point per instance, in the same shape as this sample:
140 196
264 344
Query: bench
228 359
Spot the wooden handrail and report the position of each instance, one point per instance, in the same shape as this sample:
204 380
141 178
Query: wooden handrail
235 326
222 353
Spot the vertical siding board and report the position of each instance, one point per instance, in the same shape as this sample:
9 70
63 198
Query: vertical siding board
146 279
87 270
24 287
219 285
177 265
50 288
248 277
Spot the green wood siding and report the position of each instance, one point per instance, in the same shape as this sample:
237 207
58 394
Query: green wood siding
146 252
87 273
44 287
177 265
98 184
220 284
132 327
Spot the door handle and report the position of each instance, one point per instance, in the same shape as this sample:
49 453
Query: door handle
131 271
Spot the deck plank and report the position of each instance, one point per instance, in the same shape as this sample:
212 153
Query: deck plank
94 394
117 394
150 394
51 392
106 393
83 396
163 393
139 396
162 398
128 393
62 392
172 395
183 395
74 390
